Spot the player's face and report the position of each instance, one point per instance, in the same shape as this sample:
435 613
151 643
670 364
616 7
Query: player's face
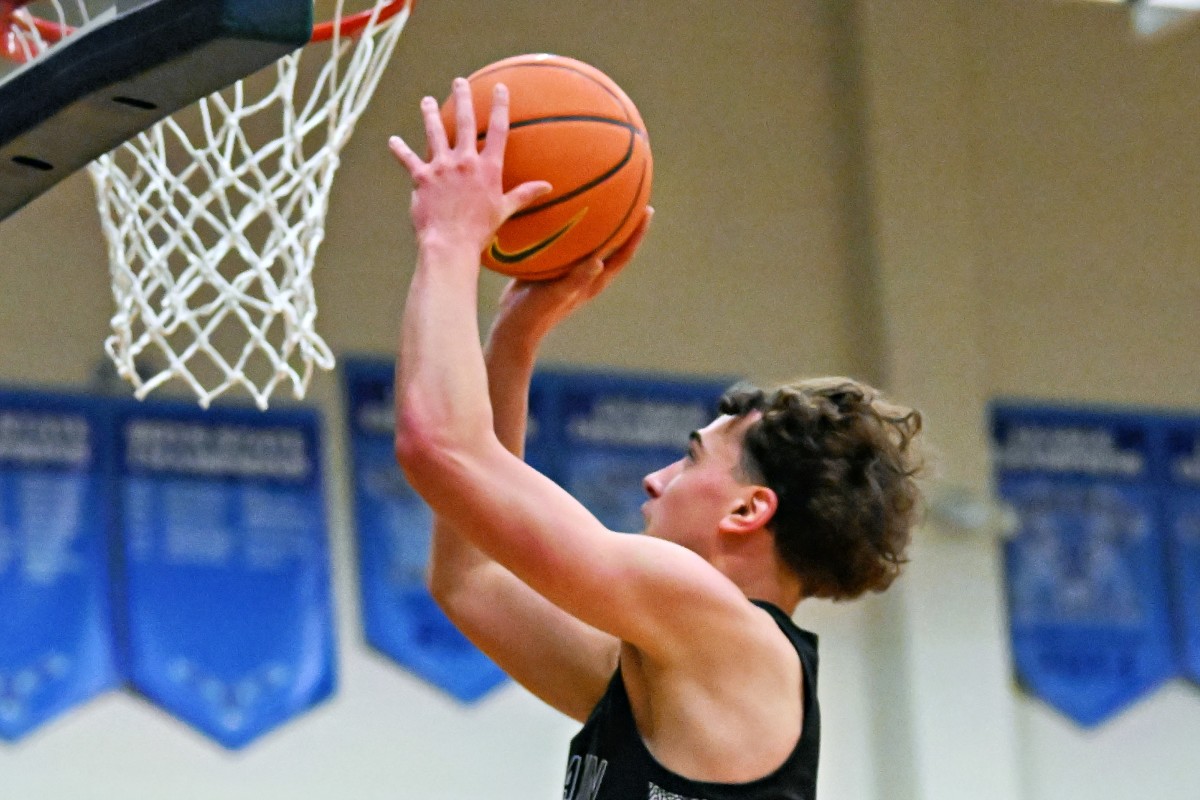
688 498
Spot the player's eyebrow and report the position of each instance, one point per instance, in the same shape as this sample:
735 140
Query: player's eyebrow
695 438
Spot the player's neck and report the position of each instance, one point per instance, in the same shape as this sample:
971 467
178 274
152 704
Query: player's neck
775 593
761 574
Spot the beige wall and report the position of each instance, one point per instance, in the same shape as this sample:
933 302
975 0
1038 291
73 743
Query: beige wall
961 198
1088 176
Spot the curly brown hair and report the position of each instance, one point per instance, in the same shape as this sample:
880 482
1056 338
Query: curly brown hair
843 463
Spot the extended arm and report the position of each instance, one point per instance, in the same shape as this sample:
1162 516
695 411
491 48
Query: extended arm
562 660
445 436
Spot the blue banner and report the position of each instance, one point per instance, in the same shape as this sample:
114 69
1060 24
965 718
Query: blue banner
227 610
56 648
614 429
1182 512
394 528
1087 588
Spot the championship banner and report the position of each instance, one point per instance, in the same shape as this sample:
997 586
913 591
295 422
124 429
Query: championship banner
1182 510
227 612
56 648
614 429
1087 594
394 526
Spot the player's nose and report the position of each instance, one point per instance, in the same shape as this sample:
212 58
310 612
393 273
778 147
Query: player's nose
657 480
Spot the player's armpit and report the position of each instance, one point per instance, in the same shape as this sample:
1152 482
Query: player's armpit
558 658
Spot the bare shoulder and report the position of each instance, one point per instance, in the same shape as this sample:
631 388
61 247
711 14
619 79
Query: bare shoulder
751 681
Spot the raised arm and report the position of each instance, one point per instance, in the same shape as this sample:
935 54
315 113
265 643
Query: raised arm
560 659
448 448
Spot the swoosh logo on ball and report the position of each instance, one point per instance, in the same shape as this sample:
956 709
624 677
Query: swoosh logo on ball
503 256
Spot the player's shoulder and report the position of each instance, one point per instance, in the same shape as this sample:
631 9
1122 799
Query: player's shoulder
723 627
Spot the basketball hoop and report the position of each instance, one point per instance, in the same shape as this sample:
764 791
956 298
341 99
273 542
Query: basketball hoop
213 218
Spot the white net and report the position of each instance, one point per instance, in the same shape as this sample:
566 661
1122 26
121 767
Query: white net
213 219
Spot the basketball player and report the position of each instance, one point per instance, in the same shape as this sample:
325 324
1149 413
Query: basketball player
675 648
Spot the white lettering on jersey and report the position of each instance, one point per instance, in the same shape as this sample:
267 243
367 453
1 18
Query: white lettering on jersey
656 792
584 774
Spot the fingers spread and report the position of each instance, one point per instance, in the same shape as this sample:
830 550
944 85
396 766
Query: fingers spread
497 135
464 116
526 193
404 154
435 132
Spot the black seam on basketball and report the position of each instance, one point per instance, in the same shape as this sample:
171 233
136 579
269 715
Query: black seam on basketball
555 271
568 68
593 183
629 126
628 213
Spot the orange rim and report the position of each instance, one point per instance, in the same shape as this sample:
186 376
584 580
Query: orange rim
52 32
354 24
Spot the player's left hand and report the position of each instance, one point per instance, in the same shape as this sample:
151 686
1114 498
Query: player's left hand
537 307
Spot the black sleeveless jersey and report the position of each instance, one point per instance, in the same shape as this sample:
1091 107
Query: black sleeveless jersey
609 760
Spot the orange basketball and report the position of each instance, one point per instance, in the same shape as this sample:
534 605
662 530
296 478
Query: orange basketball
571 125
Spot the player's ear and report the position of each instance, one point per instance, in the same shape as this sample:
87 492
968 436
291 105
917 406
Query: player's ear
753 510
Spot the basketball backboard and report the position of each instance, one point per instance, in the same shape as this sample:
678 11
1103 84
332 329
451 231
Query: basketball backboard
127 65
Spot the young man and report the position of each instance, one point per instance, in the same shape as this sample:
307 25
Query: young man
676 648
